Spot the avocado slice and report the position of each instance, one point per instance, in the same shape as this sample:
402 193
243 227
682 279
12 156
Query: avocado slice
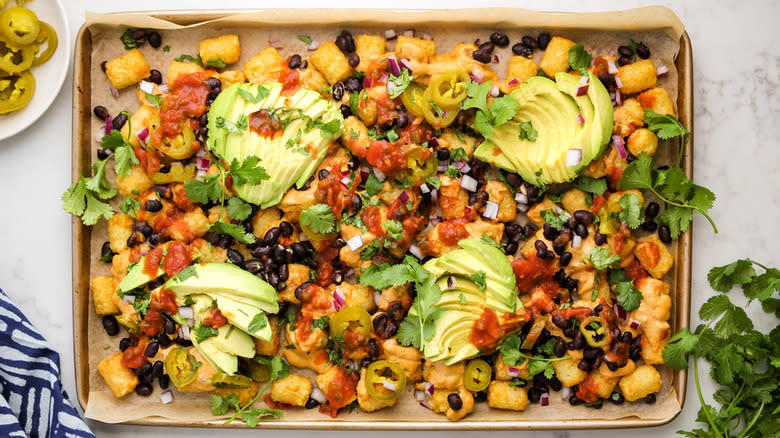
241 315
553 108
222 350
230 281
290 157
136 277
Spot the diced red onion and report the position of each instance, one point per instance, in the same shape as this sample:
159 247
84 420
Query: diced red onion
142 134
512 82
276 44
424 188
403 198
235 221
495 59
426 405
583 89
619 310
662 71
185 312
114 92
468 183
436 220
144 251
392 63
522 208
184 332
521 198
426 36
383 78
166 397
146 87
469 210
611 67
580 119
462 166
109 125
364 173
318 395
618 82
129 299
566 392
415 250
573 157
388 385
452 282
434 196
477 41
443 113
379 174
618 98
163 88
419 395
620 146
635 324
338 299
377 297
353 365
491 210
428 388
203 164
477 74
576 241
512 371
200 174
409 32
345 181
355 243
368 83
494 91
544 400
404 63
390 34
443 166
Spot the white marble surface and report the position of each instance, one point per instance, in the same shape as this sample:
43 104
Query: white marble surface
737 64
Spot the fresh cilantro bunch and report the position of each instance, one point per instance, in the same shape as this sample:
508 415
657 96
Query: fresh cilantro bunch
537 363
666 126
744 362
249 415
500 111
671 186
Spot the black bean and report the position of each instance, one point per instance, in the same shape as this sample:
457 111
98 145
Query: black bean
110 324
540 382
626 337
105 250
546 255
304 64
353 59
261 251
649 225
155 76
138 35
584 365
599 238
560 321
164 340
636 353
511 248
574 400
170 327
482 56
665 234
283 272
272 236
500 39
584 216
396 311
103 66
322 174
273 278
183 342
154 38
535 394
285 229
590 354
613 366
102 154
152 348
480 396
560 348
652 210
581 230
143 389
253 266
643 51
235 257
353 84
540 245
353 163
311 403
345 109
345 42
134 239
338 91
596 310
543 40
625 51
549 233
165 380
101 112
617 398
521 49
214 93
153 205
562 239
403 120
624 60
529 230
158 369
487 47
119 121
300 290
261 276
209 101
650 399
299 250
373 348
214 83
565 258
146 368
443 154
278 254
530 42
294 62
513 232
455 402
579 340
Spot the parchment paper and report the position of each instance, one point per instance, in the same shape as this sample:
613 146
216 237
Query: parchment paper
657 27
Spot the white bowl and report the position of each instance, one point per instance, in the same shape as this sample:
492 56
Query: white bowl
49 76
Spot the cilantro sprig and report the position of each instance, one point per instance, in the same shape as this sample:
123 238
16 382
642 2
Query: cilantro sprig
667 126
512 356
248 414
744 362
319 218
487 118
672 187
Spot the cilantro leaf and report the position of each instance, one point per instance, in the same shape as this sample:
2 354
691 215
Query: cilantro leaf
98 184
203 332
490 241
248 171
127 40
409 332
258 322
238 209
638 173
602 257
354 219
591 185
628 295
130 206
476 96
215 62
527 131
262 93
480 278
722 278
373 185
124 157
319 218
184 57
305 38
632 212
236 231
579 58
237 127
112 140
458 154
394 229
204 191
679 346
714 307
385 276
433 182
503 109
220 406
400 83
328 129
678 219
252 416
556 219
665 126
154 100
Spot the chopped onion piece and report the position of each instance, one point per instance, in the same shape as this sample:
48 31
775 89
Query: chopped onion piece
436 220
443 166
662 71
166 397
635 324
393 64
303 237
184 332
338 299
468 183
109 125
415 250
619 310
433 142
476 42
114 92
521 198
424 188
428 388
512 82
544 400
620 146
478 74
185 312
405 64
346 181
434 196
129 299
462 166
163 88
576 241
618 98
494 91
495 59
403 198
409 32
388 385
203 164
377 297
573 157
390 34
584 80
364 173
426 36
583 89
512 371
618 82
368 83
452 282
379 174
491 210
522 208
146 87
200 174
313 46
611 67
318 395
355 243
580 119
419 395
276 44
566 392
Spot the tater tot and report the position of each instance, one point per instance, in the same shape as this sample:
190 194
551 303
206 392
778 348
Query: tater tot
556 56
656 99
637 77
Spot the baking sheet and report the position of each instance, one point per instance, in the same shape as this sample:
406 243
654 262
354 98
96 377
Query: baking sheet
658 27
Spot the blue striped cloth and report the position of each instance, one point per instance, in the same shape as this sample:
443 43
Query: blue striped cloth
32 401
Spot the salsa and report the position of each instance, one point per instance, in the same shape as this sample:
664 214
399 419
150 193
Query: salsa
386 157
188 99
263 123
179 257
531 272
339 392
